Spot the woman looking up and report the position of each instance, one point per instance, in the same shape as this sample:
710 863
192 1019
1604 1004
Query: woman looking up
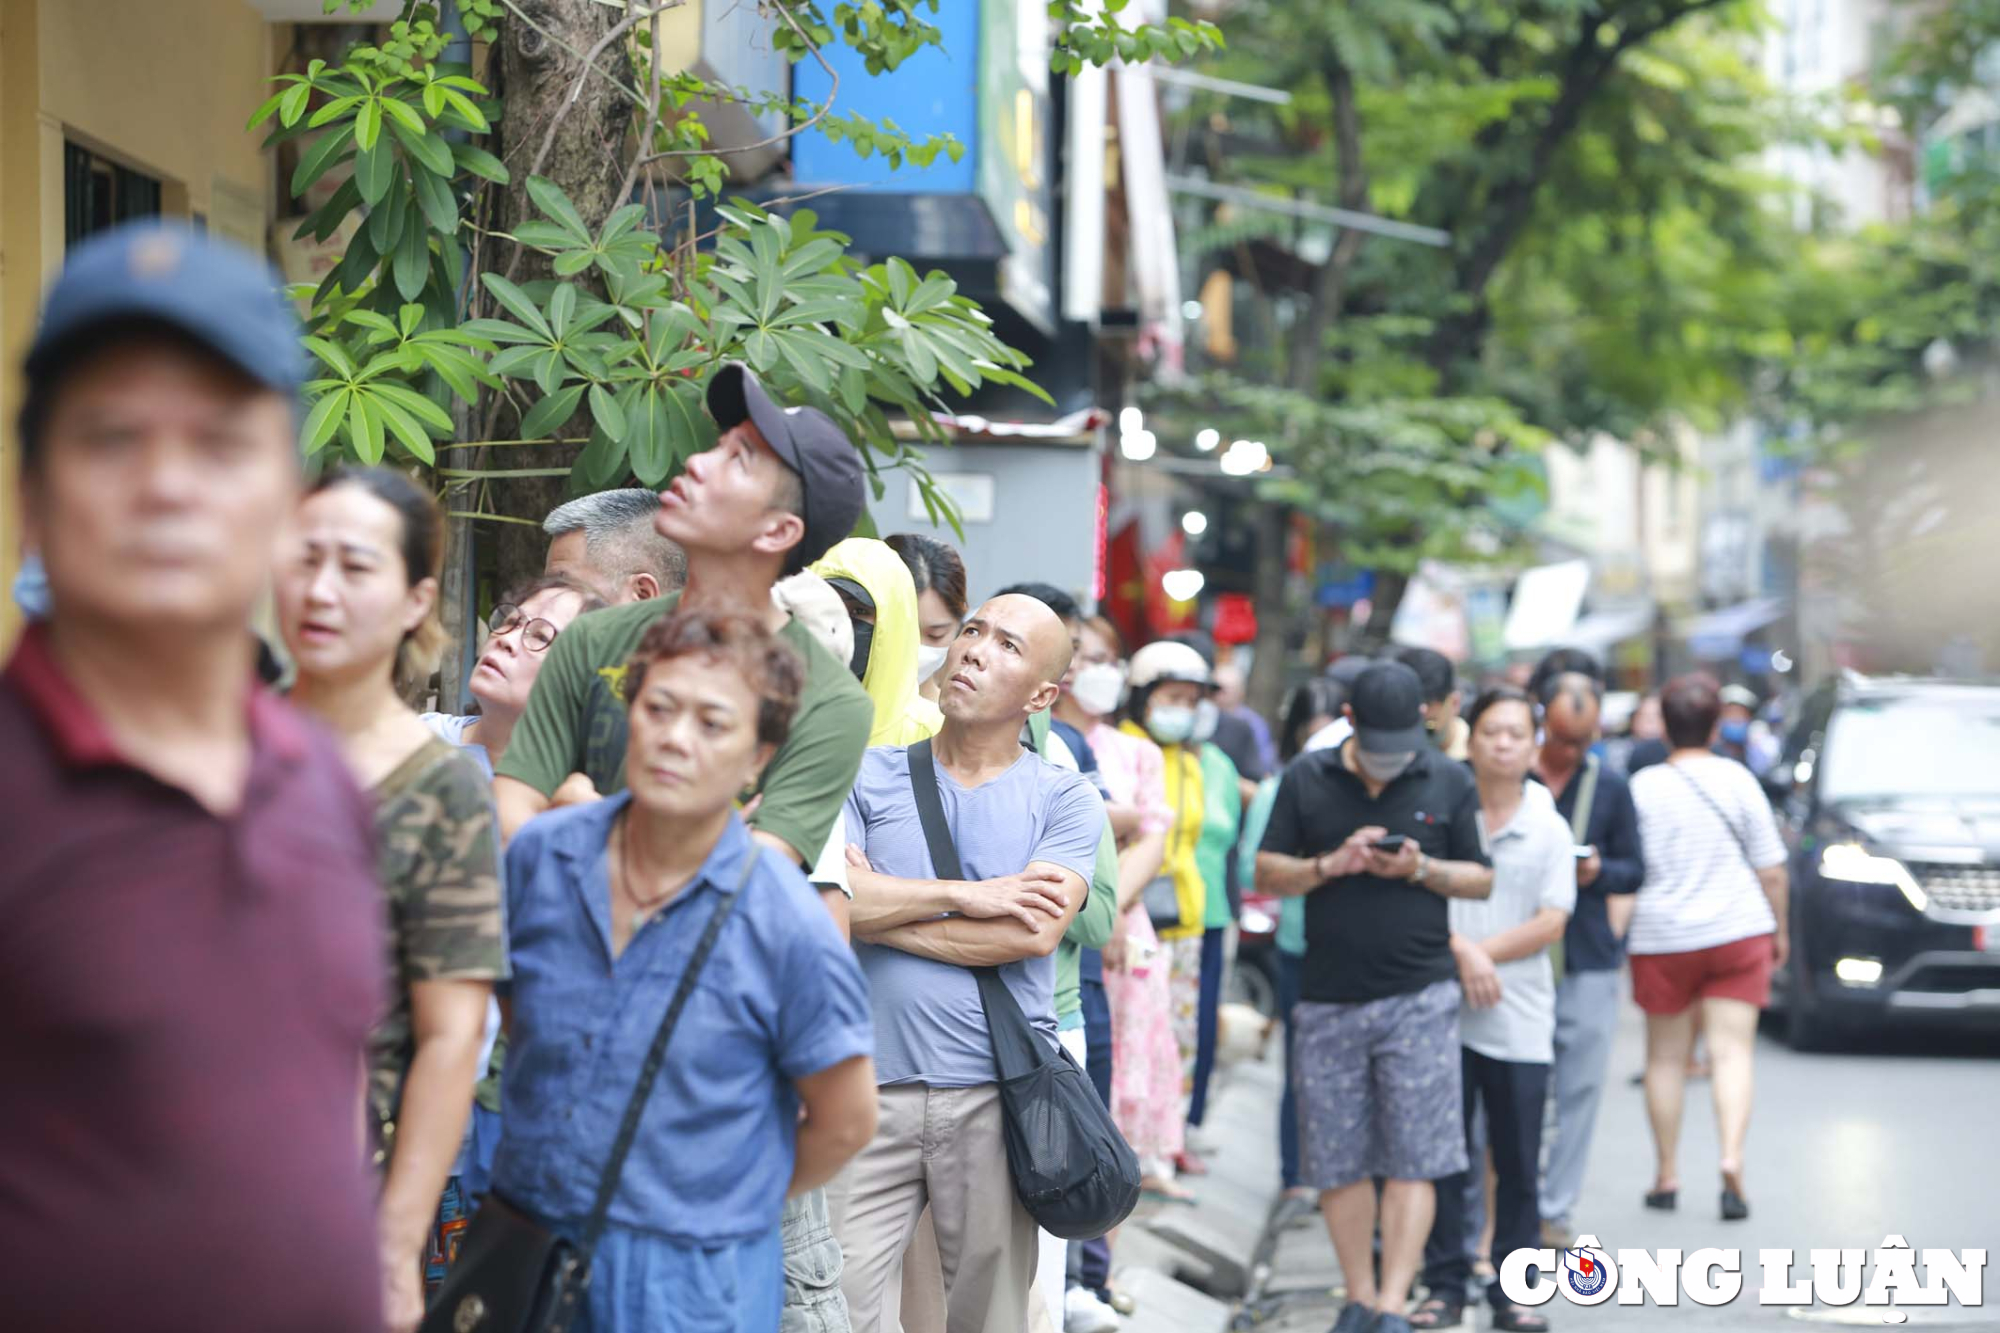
357 601
520 632
939 576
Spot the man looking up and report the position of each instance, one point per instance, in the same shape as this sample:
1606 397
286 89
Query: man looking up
193 954
1027 836
1379 833
1603 821
608 543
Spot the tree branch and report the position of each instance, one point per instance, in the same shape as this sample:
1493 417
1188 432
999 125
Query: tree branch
1329 290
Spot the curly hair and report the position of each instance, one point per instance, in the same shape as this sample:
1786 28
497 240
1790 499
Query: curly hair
773 671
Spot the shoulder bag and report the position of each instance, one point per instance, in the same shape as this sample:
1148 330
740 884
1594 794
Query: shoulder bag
1072 1169
514 1275
1162 894
1712 804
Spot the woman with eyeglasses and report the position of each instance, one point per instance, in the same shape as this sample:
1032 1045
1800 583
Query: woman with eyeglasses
520 632
357 600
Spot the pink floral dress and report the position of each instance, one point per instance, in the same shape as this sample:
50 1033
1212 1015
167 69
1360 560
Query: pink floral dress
1146 1062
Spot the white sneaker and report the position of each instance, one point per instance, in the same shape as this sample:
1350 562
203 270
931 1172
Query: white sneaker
1084 1313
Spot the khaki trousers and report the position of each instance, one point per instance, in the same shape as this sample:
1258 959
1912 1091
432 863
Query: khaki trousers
940 1147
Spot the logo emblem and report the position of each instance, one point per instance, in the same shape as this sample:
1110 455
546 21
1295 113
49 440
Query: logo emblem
471 1313
1585 1271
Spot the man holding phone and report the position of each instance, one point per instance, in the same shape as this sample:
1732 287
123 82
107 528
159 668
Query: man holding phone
1379 833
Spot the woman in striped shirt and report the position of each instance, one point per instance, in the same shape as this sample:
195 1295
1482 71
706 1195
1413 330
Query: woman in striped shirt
1708 929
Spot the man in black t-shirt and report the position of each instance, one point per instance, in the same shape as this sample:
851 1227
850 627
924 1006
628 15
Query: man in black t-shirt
1379 833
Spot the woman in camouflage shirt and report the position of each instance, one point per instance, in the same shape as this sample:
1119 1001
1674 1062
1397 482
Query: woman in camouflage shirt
358 605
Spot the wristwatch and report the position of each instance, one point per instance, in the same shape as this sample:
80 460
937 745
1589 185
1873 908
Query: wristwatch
1423 866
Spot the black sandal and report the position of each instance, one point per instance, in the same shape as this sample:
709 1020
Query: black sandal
1664 1200
1437 1312
1513 1319
1734 1206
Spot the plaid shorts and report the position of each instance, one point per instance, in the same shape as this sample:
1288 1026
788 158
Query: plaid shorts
1378 1088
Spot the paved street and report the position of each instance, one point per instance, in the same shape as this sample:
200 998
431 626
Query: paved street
1890 1137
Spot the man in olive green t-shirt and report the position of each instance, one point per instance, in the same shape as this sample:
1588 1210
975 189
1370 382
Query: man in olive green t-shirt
780 486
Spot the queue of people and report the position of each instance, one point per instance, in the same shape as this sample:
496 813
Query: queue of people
648 962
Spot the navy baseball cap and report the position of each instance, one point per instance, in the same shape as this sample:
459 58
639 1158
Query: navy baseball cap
809 443
1388 704
217 293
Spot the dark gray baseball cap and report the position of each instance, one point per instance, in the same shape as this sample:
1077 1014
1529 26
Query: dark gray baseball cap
810 444
1388 704
217 293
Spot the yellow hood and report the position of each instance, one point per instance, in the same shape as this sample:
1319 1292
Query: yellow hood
901 714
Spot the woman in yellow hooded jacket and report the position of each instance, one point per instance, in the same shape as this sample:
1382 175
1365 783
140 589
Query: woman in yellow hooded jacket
881 599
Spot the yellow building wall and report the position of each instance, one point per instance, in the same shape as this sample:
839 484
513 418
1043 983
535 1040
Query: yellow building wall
162 86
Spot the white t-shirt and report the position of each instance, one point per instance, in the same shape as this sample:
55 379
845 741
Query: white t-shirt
1700 888
830 871
1534 866
1331 736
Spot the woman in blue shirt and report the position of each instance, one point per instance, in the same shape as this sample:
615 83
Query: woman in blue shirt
605 903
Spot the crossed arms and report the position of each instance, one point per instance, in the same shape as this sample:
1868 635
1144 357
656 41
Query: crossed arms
968 923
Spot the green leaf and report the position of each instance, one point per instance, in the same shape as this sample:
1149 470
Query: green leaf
650 438
385 223
413 262
501 331
404 427
600 465
332 111
758 350
517 305
407 318
545 417
550 370
515 362
367 129
374 171
434 195
480 163
923 363
902 281
324 420
365 429
319 157
292 103
402 113
605 412
571 262
418 406
433 100
426 148
933 291
801 358
466 108
548 197
562 305
263 113
330 353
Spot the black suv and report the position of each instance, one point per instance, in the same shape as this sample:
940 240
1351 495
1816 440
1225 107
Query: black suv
1893 816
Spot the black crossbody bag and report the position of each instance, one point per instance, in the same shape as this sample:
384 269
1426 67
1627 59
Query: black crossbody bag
1072 1169
514 1275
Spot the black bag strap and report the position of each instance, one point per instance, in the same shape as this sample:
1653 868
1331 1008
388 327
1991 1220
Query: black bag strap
930 812
656 1056
1709 801
1015 1051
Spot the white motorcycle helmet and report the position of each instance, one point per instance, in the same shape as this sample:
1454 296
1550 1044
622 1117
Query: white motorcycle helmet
1167 660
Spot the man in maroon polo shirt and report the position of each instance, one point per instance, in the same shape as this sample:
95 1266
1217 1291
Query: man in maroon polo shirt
190 953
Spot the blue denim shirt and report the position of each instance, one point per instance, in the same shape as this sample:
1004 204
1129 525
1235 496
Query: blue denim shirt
781 997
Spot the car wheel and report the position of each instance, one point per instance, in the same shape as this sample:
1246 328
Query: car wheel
1250 984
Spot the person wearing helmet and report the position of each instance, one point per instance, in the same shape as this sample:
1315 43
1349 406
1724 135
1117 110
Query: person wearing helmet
1168 683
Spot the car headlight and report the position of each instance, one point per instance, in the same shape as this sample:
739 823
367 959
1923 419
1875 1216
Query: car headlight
1857 865
1257 923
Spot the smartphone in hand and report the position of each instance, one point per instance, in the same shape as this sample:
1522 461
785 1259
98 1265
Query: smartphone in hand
1391 844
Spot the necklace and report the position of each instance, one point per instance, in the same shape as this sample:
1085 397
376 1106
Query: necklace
642 910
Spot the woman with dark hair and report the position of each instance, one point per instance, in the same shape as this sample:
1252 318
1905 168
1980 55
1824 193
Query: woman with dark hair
520 632
1507 1020
939 575
1311 706
357 602
1708 929
606 903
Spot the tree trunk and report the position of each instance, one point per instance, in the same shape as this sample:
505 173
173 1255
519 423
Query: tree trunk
1265 689
568 125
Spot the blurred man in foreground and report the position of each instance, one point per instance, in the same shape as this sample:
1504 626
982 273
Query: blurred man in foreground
192 956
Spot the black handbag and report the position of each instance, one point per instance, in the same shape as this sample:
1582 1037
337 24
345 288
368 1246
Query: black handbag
514 1275
1162 898
1072 1169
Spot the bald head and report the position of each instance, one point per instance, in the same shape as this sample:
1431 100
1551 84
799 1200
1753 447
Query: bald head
1005 663
1572 708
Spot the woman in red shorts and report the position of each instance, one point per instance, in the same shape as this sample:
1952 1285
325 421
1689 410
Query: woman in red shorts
1708 928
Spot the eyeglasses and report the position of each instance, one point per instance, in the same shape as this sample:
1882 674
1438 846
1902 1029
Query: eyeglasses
536 634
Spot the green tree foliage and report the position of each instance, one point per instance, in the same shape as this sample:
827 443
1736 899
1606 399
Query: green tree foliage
615 349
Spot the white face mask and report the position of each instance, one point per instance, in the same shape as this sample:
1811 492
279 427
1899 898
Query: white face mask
929 660
1170 723
1097 688
1207 717
1383 767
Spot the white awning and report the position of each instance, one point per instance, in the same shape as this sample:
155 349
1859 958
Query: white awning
1546 601
1601 631
1721 633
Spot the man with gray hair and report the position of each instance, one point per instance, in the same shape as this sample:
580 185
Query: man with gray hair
607 543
